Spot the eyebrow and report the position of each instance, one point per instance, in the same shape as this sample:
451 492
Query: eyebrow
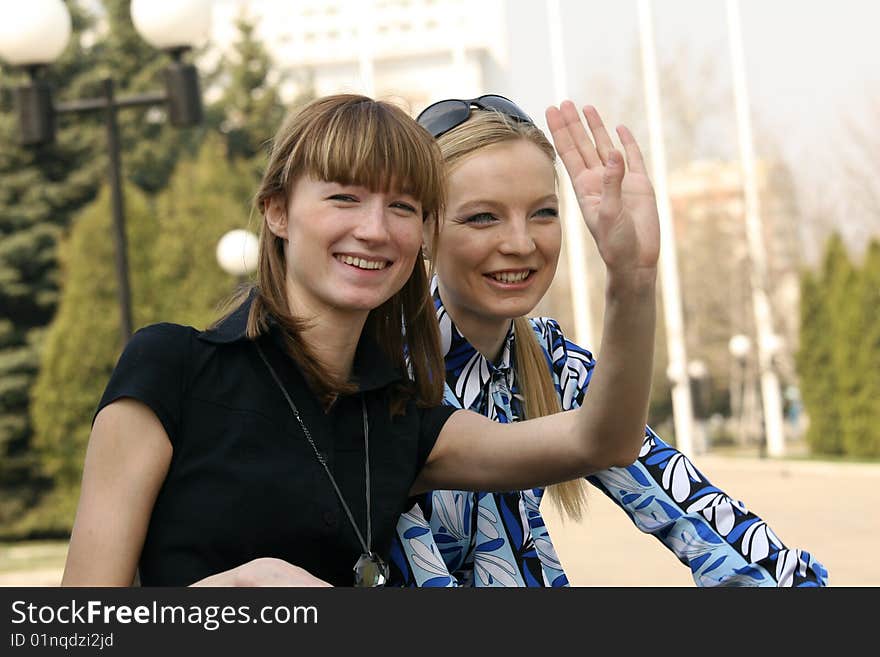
470 206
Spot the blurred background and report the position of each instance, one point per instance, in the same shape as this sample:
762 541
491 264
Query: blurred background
130 204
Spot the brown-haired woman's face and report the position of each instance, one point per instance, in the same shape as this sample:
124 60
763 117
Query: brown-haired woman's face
347 248
500 239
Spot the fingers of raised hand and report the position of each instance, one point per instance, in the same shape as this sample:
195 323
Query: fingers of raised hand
611 203
634 159
604 145
579 135
570 138
565 145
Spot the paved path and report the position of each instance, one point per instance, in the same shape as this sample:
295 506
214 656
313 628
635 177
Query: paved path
829 509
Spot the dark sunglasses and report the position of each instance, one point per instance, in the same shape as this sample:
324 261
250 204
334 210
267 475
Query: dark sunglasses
444 115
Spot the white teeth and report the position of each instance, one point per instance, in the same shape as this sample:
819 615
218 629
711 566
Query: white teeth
360 263
506 277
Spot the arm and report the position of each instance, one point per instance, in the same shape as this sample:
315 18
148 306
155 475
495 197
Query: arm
121 479
715 535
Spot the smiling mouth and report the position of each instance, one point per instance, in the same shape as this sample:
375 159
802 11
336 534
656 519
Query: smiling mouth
362 263
511 276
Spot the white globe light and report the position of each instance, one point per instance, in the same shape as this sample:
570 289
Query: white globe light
773 344
697 369
238 252
33 32
740 345
169 24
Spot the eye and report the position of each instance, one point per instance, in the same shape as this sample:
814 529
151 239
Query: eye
480 218
345 198
547 212
406 207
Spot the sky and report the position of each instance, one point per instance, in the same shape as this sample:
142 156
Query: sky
811 69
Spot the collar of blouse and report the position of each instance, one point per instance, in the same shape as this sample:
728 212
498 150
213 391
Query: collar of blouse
371 370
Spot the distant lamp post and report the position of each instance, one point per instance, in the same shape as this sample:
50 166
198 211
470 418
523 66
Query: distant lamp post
36 32
698 374
238 252
739 346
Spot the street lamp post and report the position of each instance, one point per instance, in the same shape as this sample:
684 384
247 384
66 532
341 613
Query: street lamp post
739 346
37 32
698 375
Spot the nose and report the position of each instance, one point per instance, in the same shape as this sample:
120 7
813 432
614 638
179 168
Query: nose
517 240
372 224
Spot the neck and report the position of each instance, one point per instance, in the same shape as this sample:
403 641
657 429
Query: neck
485 334
331 336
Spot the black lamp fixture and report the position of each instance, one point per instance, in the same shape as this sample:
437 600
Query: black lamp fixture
37 32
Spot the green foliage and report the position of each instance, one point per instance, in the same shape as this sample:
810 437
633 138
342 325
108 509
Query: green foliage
40 190
207 198
83 341
174 277
861 389
250 104
839 357
173 226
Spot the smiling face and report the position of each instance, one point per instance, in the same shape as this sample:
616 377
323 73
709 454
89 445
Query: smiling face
500 238
347 248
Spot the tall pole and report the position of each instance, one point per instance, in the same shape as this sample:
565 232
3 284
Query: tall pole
114 171
576 255
682 404
770 393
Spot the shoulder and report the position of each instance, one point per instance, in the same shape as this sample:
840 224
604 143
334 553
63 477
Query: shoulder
164 341
553 340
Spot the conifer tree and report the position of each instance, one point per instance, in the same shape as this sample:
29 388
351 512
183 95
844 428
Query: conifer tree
860 397
172 236
40 190
820 356
81 347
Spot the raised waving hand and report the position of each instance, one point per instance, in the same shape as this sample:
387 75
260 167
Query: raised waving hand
616 198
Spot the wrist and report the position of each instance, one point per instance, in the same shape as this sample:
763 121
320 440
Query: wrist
636 284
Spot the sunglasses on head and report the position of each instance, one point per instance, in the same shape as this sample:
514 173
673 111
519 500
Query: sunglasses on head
444 115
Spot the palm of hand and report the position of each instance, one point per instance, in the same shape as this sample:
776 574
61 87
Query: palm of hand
628 235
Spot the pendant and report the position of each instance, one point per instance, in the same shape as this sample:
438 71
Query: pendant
370 570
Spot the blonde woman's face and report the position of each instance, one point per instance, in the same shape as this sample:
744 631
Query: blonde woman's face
500 238
347 248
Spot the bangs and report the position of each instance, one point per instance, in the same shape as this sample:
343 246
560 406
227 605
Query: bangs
370 144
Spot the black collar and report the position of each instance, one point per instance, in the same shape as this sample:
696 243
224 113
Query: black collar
371 369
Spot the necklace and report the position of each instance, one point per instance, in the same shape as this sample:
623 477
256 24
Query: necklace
370 569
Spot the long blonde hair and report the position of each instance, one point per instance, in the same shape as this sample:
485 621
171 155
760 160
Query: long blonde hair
486 128
353 139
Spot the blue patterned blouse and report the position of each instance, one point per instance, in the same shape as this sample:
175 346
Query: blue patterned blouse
457 538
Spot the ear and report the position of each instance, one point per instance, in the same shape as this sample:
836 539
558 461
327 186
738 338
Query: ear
429 236
275 212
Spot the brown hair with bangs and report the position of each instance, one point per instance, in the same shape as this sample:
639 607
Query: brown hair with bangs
486 128
353 139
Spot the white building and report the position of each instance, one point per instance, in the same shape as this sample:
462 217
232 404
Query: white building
415 51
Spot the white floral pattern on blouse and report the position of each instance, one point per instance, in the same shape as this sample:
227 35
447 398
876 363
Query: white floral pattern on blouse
459 538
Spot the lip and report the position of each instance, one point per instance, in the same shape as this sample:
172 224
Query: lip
362 256
520 285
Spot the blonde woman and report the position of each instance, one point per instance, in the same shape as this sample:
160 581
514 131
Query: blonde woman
495 257
281 445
